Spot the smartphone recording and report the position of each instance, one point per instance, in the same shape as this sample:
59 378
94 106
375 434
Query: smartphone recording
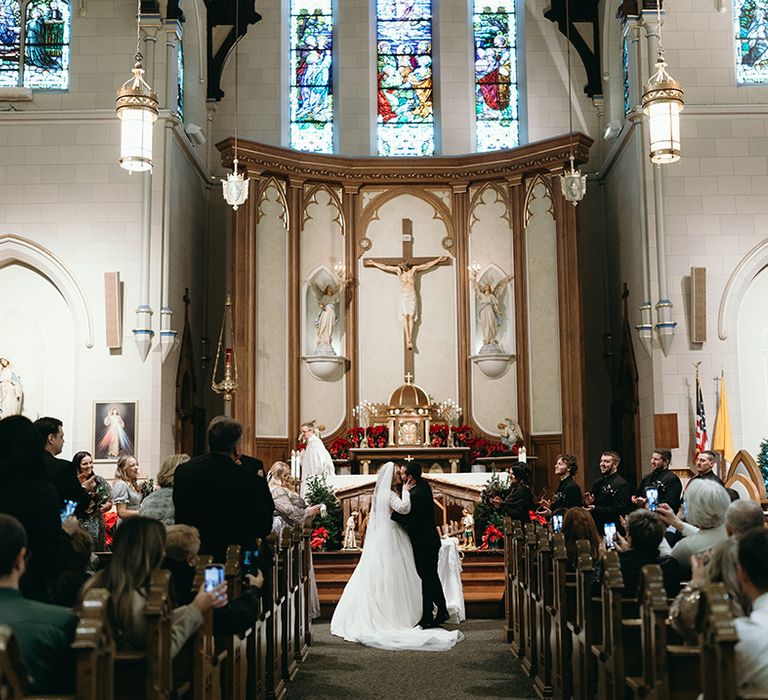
609 535
214 575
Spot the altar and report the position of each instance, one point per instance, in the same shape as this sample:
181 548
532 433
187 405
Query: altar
433 460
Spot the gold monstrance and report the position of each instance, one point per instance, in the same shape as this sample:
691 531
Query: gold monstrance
228 384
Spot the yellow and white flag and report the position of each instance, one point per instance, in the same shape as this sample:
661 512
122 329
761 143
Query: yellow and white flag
723 439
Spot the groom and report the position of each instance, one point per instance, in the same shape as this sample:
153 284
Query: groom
422 531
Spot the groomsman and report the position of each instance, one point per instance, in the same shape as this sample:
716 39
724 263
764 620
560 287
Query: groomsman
663 479
706 465
610 497
568 492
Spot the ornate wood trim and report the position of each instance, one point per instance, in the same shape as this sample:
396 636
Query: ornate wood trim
550 154
295 225
517 198
463 321
351 203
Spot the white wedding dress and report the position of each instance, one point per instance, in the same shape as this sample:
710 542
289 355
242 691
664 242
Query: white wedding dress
381 602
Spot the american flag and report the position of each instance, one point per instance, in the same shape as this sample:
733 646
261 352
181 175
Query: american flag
701 422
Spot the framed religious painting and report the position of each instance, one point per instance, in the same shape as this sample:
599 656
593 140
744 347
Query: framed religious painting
114 429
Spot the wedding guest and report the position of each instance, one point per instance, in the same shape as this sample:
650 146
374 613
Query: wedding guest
645 531
137 551
159 504
60 472
706 503
578 524
65 588
663 479
126 492
92 521
610 497
291 510
568 493
519 501
228 502
29 496
182 549
44 632
752 649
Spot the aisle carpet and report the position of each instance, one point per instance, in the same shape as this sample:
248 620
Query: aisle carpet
479 667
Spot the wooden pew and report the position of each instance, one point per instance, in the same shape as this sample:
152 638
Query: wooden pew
562 609
518 590
306 573
235 667
256 650
509 579
94 655
529 661
542 684
584 629
287 588
718 641
275 684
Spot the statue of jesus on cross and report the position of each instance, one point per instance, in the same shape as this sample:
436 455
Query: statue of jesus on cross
406 270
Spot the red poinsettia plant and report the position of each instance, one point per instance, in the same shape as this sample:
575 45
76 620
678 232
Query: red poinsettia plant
318 539
339 448
378 435
492 535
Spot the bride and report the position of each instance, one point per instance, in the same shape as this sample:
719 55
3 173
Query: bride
381 603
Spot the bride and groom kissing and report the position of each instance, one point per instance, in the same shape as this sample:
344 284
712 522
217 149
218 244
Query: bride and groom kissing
394 598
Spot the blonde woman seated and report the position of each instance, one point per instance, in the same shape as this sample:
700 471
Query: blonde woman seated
137 551
291 510
158 505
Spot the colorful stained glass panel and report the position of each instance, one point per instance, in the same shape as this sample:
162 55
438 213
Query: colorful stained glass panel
10 30
46 44
496 82
180 82
311 93
404 78
750 23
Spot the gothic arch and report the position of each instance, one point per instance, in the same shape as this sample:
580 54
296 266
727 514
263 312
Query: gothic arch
741 277
15 249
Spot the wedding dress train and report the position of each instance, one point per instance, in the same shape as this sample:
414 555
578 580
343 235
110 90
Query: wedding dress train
381 602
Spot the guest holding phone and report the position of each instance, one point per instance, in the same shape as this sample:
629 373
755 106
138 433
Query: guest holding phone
663 479
92 521
138 550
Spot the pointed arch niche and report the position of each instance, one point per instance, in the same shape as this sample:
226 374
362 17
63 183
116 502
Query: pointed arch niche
308 212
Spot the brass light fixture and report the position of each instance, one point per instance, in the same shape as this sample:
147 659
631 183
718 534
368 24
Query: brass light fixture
136 108
228 383
235 187
663 102
572 183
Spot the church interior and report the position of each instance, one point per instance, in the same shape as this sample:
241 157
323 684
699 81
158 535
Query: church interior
476 236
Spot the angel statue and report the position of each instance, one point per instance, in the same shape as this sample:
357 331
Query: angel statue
327 296
11 390
510 432
489 309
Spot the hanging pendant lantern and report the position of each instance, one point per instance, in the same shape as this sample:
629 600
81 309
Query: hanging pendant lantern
235 187
573 184
663 102
136 108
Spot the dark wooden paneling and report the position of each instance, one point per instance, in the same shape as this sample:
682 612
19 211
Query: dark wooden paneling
545 448
271 450
665 430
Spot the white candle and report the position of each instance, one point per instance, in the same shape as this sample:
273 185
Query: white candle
522 456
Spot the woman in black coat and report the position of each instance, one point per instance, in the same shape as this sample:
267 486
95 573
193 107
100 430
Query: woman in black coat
519 501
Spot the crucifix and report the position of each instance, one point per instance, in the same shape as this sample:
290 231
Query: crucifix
406 269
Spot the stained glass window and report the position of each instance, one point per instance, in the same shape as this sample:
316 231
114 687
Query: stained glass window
180 82
750 23
406 125
46 44
625 67
311 97
10 30
496 81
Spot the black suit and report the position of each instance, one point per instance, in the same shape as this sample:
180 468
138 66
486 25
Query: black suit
668 484
518 503
227 502
422 531
567 495
613 498
64 478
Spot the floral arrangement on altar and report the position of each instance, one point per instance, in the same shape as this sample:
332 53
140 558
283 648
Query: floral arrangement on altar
318 539
377 435
492 537
328 527
464 436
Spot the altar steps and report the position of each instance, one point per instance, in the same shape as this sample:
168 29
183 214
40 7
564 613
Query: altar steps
482 578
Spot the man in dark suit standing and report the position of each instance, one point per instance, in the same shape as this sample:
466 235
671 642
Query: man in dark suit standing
422 531
610 497
226 500
663 479
60 472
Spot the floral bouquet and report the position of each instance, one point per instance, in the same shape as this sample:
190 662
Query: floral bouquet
378 435
438 434
339 448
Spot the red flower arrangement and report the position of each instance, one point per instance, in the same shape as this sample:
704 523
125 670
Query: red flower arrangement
339 448
492 535
110 521
378 435
318 539
536 518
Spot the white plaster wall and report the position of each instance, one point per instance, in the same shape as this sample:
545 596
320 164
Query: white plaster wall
381 331
272 315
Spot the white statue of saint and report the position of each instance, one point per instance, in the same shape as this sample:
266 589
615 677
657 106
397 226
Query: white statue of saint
326 296
489 310
406 273
11 390
350 539
315 459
